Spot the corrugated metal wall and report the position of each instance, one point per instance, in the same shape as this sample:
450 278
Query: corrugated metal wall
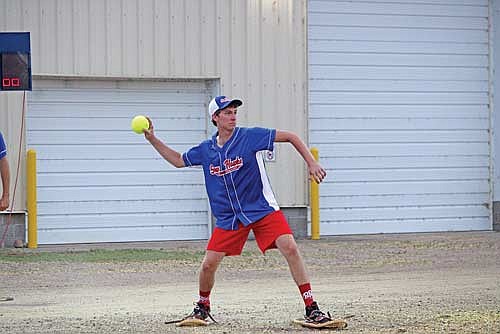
257 49
495 108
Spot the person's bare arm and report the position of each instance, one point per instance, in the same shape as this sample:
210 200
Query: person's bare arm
5 175
315 170
172 156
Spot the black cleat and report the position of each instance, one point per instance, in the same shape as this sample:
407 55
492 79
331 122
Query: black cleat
315 316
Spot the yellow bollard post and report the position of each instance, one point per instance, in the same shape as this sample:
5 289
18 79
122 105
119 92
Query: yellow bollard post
31 199
314 199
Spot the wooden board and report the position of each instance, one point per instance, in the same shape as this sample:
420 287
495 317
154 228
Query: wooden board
192 322
333 324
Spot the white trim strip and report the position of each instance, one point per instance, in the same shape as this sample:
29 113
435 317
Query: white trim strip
187 158
237 199
267 191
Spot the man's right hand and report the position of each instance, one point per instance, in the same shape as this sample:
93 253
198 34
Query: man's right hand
149 133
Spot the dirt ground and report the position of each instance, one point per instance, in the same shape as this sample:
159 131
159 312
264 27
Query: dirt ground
411 283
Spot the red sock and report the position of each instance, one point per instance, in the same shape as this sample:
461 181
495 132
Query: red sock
204 298
306 293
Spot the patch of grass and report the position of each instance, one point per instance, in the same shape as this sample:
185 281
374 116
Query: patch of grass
246 253
470 319
103 256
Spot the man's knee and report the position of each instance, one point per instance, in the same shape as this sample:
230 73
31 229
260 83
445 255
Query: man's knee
208 266
288 246
210 263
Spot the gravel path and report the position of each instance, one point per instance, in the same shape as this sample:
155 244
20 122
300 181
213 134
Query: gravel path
411 283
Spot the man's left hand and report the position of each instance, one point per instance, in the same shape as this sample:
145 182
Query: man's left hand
316 172
4 203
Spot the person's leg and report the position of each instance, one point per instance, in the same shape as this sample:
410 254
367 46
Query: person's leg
208 269
288 247
273 231
222 243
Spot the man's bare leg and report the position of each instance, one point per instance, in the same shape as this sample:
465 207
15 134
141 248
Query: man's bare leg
288 247
208 269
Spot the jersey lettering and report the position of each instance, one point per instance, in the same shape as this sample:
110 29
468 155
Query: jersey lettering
230 166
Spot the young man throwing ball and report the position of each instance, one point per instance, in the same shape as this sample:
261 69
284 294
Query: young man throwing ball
241 198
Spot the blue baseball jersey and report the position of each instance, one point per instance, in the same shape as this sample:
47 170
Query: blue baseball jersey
235 176
3 148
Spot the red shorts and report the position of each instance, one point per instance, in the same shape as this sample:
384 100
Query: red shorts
266 231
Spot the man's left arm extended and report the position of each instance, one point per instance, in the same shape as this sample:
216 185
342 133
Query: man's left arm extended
5 175
314 168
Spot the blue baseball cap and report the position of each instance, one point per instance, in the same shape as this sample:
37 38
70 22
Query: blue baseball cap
221 102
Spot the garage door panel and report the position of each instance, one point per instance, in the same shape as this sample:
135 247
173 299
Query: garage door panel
377 201
388 136
128 207
398 86
442 161
399 8
185 176
367 20
406 226
140 233
401 150
388 213
398 111
98 152
410 174
330 189
400 47
116 96
134 193
109 137
97 180
400 98
392 72
396 124
116 110
150 164
110 124
436 2
398 34
361 59
117 221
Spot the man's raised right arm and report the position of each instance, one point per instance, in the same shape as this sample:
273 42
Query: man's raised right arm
172 156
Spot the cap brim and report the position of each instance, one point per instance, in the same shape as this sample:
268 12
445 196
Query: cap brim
234 102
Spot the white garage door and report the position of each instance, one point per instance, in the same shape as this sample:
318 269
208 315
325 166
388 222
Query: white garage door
399 112
100 182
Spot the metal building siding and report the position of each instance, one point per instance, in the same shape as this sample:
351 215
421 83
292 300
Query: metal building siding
97 180
398 108
495 103
256 48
